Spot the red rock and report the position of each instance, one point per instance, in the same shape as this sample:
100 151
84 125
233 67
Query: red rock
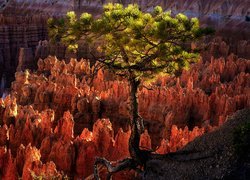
4 135
85 157
34 167
3 152
46 146
20 159
9 169
163 148
2 109
145 141
86 135
65 127
121 146
103 135
63 154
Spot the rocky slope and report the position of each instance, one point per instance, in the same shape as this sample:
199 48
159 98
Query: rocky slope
211 156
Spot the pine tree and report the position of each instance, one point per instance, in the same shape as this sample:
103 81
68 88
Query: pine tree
137 46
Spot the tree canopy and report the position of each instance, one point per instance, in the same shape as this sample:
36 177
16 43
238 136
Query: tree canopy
133 43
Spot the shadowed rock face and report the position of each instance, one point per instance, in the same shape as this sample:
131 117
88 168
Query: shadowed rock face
216 11
221 12
19 32
22 25
24 7
211 156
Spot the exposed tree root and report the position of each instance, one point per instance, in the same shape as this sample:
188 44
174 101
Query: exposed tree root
129 163
139 157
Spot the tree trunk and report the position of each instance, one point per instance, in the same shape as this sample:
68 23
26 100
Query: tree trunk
134 140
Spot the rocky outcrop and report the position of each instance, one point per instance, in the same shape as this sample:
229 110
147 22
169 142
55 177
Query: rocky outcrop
33 167
44 49
226 10
211 156
223 46
218 14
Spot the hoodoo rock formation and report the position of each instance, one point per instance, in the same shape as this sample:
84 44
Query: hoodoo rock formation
57 117
23 24
58 111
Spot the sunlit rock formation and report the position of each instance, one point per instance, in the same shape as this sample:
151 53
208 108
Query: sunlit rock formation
219 87
47 114
33 167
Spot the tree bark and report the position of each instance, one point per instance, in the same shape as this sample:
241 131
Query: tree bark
134 140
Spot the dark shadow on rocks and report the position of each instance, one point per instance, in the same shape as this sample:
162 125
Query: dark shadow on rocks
211 156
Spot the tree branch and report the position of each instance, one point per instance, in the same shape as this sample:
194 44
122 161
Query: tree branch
121 165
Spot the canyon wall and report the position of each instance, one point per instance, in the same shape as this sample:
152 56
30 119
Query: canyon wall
23 25
215 13
15 33
197 8
26 7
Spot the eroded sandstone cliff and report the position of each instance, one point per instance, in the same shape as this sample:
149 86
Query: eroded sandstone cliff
16 33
